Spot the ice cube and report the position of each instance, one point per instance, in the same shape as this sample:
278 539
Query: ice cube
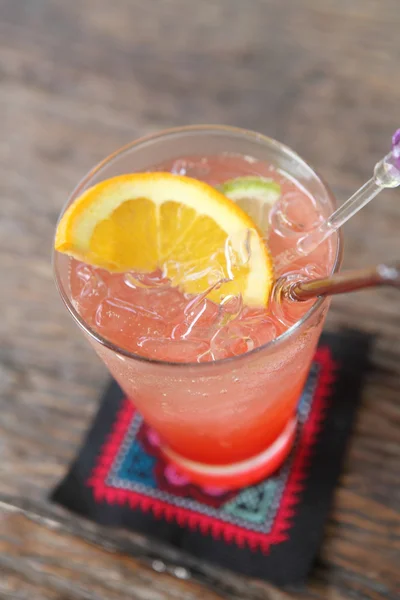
230 308
199 319
168 303
92 282
250 331
172 350
238 250
259 326
228 342
114 314
150 295
92 287
295 213
146 280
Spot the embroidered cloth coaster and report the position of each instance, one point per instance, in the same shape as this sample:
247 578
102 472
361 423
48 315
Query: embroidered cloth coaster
271 530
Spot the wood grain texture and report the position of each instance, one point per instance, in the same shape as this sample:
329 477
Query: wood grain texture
79 79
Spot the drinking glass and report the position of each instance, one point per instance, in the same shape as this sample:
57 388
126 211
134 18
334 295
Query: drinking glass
232 421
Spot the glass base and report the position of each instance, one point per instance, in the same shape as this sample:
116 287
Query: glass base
238 474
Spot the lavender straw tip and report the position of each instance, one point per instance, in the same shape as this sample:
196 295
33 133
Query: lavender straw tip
396 148
396 141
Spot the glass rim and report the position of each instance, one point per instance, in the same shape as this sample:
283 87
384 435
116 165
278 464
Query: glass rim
258 137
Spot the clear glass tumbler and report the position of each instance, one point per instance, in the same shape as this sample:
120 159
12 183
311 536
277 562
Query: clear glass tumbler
229 422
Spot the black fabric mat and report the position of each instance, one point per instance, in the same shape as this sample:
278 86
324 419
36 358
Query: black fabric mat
272 530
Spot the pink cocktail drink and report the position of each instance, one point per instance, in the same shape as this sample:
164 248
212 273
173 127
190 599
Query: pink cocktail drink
219 383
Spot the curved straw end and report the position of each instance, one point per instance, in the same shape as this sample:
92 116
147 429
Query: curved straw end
287 288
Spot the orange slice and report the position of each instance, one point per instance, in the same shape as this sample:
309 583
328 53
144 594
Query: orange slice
146 221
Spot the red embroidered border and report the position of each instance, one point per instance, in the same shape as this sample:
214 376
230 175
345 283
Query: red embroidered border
211 525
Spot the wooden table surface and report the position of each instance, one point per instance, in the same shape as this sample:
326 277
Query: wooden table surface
80 78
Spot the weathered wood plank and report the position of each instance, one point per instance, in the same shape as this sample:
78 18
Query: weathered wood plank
80 78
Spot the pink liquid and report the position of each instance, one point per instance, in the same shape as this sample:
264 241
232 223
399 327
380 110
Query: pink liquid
144 315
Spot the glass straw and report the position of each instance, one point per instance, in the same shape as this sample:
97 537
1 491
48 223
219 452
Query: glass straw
386 175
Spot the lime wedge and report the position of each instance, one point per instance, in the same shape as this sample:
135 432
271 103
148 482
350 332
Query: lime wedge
255 195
